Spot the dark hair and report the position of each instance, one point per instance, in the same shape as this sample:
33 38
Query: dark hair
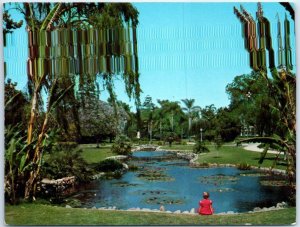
205 195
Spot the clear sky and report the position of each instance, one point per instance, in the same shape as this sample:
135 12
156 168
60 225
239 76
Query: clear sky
186 50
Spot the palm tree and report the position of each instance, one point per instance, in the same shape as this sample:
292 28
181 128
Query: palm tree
189 109
169 109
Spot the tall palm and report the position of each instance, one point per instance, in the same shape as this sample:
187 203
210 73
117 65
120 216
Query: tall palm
189 109
169 109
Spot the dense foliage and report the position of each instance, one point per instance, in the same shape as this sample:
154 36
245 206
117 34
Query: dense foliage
64 163
109 165
122 145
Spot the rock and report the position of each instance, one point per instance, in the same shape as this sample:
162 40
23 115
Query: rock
177 212
94 207
68 206
117 157
192 211
114 207
230 212
168 211
281 205
125 166
146 209
185 212
256 209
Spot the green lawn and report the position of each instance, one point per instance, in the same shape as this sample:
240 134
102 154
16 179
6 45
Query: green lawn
92 154
228 154
178 147
36 214
236 155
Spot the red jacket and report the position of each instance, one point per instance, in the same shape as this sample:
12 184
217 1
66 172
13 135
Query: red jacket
205 207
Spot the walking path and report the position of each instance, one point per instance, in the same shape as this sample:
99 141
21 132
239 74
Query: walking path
254 147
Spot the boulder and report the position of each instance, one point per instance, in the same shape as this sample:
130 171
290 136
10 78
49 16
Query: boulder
256 209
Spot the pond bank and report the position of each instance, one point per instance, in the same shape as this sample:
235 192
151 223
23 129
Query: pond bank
38 214
154 200
278 206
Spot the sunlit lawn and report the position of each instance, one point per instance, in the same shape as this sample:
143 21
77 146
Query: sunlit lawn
35 214
237 155
92 154
229 154
178 147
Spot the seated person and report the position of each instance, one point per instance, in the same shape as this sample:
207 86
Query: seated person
205 205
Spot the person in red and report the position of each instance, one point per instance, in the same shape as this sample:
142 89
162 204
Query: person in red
205 205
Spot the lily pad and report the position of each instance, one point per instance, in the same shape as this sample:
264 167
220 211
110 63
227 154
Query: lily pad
124 184
223 190
218 179
163 200
278 183
154 175
254 174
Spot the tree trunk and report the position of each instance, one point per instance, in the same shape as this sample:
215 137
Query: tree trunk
31 182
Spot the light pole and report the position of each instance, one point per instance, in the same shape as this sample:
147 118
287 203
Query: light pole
201 129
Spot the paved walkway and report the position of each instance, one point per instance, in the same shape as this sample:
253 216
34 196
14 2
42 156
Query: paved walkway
254 147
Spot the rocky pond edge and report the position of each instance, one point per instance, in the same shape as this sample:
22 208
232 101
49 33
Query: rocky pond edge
192 158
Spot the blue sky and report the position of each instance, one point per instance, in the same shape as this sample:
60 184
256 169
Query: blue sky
186 50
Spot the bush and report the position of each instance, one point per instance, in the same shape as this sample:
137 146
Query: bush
109 165
199 147
204 164
66 163
159 143
244 166
133 167
67 146
229 134
122 145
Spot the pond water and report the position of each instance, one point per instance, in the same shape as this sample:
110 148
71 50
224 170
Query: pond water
163 179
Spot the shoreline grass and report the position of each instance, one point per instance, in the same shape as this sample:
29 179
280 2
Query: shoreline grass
229 154
37 214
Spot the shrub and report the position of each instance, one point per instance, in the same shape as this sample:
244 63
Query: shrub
66 163
199 147
183 143
66 146
133 167
122 145
244 166
109 165
204 164
159 143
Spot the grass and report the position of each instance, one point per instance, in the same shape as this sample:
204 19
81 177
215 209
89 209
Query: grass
37 214
229 154
178 147
236 155
92 154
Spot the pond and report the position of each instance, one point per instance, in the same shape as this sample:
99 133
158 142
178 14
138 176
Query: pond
164 179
